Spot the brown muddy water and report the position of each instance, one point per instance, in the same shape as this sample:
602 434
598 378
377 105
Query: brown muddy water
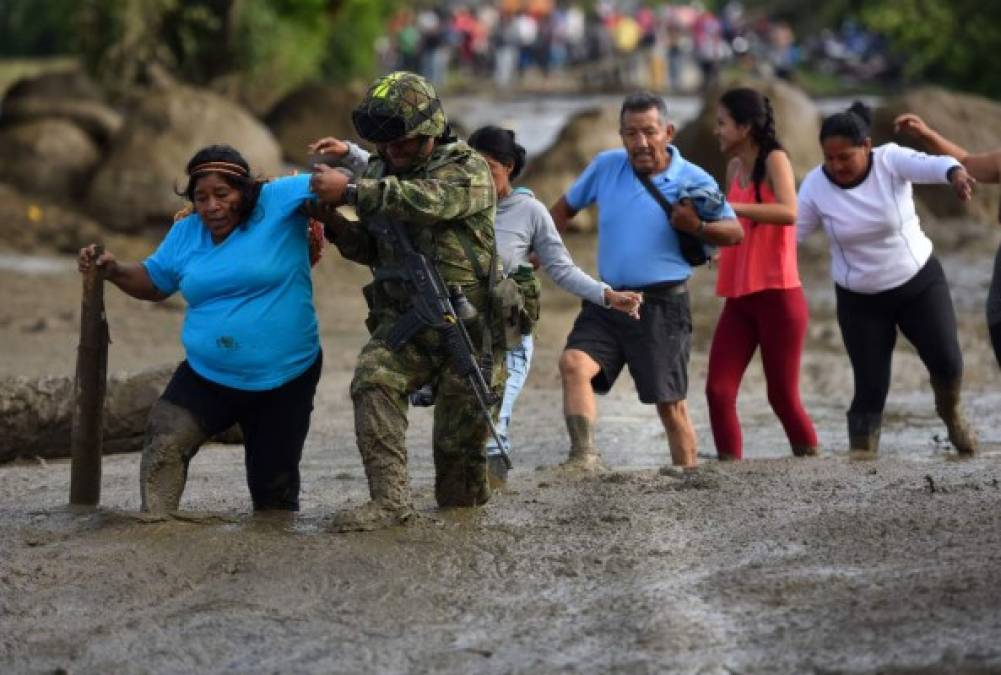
773 565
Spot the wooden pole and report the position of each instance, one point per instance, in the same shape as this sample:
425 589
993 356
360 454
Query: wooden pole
87 439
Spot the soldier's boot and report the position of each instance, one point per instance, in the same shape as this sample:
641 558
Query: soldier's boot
805 451
584 454
961 434
461 478
173 436
380 427
863 435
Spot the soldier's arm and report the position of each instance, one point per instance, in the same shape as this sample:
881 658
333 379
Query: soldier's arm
455 191
356 244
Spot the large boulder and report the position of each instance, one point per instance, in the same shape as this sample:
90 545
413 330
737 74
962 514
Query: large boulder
311 112
48 156
797 122
584 136
27 224
67 95
71 83
134 188
971 121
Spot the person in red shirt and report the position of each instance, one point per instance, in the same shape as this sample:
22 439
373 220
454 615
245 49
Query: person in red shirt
765 305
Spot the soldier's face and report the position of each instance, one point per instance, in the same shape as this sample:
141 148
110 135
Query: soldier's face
646 136
404 153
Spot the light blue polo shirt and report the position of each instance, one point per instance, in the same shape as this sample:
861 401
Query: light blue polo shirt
636 244
250 322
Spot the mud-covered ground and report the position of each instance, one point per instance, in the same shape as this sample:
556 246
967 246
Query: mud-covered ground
773 565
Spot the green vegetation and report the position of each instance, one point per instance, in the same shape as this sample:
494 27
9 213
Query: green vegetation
948 42
255 50
951 43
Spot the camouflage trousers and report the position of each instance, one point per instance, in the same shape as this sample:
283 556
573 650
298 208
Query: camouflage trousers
383 380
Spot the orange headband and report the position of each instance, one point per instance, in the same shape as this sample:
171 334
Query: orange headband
219 167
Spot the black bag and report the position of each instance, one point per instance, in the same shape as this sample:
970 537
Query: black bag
693 249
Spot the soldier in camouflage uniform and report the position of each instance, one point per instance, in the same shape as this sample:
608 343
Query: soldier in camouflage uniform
442 190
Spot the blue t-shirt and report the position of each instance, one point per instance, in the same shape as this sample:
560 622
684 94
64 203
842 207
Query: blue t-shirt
250 322
636 244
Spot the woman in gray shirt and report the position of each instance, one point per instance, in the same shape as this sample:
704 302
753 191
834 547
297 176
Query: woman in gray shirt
524 227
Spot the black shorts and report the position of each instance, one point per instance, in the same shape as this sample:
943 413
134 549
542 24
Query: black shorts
274 424
656 347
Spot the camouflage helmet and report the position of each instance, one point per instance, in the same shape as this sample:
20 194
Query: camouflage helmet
399 105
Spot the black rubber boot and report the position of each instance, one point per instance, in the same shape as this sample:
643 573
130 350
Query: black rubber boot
863 435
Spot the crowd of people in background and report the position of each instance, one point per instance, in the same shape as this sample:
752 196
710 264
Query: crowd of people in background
626 43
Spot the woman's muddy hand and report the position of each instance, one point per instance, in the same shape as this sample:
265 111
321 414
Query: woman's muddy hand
105 262
910 124
627 302
328 145
328 184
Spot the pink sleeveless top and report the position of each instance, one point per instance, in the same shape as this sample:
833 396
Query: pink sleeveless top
766 258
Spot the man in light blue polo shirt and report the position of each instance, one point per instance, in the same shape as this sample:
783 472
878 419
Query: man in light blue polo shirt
638 249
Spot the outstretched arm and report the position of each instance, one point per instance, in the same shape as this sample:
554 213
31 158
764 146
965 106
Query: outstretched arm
344 153
132 278
556 260
985 167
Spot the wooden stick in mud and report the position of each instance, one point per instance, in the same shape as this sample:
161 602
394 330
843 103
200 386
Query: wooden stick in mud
87 438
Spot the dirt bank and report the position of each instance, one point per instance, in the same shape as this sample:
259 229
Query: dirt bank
769 566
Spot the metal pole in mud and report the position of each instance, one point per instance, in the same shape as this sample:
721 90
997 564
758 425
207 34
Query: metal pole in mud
88 392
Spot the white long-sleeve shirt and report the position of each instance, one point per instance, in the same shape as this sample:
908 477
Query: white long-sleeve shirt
873 229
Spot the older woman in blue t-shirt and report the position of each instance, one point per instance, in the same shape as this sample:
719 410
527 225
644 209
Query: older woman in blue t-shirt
241 262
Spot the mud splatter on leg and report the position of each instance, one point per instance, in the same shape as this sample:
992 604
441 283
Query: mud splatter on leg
173 436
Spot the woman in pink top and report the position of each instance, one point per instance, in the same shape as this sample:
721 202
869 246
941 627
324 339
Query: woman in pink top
765 305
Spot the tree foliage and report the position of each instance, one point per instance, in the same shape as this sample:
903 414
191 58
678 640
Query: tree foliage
36 28
949 42
946 42
252 49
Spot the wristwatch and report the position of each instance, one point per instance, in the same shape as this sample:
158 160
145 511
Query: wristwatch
351 194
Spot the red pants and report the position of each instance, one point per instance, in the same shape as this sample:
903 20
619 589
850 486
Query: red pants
776 320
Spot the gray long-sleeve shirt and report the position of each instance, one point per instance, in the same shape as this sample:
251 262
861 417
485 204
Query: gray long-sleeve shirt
523 226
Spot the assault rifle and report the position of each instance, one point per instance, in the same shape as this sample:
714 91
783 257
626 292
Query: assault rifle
432 306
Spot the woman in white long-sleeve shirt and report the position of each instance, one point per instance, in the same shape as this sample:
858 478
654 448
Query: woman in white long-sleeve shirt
884 272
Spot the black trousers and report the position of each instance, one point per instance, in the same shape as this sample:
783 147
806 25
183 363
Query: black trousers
922 309
274 424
